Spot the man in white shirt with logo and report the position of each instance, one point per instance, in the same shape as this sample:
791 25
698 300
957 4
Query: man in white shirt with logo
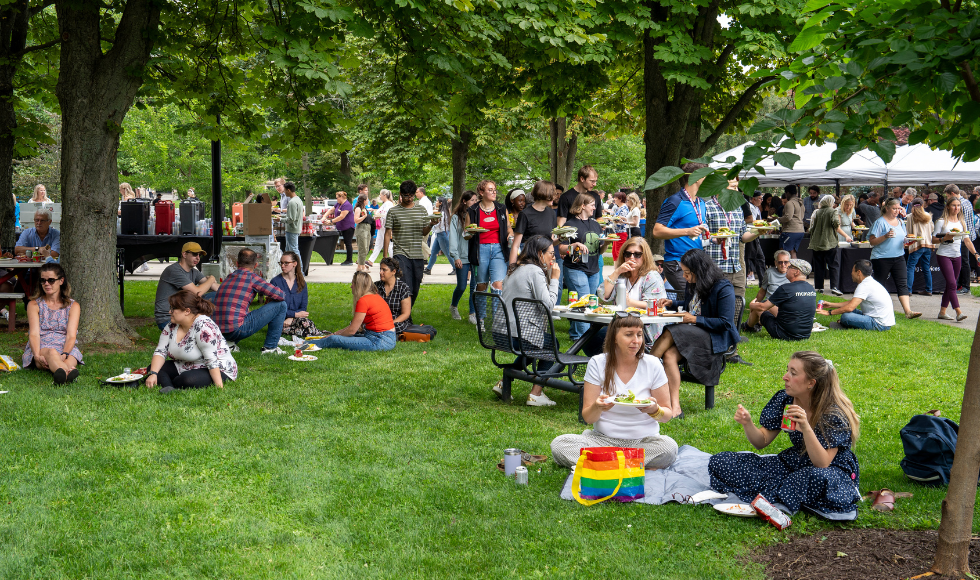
876 312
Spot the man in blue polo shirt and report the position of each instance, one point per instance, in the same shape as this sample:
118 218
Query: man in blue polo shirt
682 223
41 238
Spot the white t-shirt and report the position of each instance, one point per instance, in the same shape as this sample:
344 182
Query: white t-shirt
427 204
634 213
628 422
283 202
876 302
951 249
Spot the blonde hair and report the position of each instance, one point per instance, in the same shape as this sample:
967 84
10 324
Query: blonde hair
127 190
646 264
361 286
844 200
580 202
946 212
37 188
827 399
633 200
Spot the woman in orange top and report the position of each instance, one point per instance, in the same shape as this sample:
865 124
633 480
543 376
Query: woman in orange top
370 310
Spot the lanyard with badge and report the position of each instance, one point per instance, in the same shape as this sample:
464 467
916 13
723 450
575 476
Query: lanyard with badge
697 213
728 223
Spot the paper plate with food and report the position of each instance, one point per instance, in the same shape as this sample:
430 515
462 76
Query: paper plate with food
630 400
124 379
859 228
640 311
724 234
475 229
305 357
435 216
582 301
601 311
957 234
308 348
562 230
742 510
609 239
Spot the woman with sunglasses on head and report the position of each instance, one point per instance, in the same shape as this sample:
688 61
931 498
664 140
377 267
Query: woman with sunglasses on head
707 329
819 473
622 368
535 276
371 312
293 284
643 281
192 353
52 318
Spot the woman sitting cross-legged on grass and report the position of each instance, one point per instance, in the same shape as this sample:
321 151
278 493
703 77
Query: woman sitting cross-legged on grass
706 331
620 369
371 311
53 316
293 285
198 351
395 293
819 472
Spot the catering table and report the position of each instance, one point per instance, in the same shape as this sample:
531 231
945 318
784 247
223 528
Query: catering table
140 249
848 256
325 244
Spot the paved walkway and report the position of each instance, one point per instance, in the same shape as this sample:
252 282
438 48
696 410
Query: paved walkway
927 305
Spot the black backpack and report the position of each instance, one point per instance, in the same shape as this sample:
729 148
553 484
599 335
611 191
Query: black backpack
930 443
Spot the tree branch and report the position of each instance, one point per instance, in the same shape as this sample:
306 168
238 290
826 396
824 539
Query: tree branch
40 7
736 109
945 4
720 63
35 48
971 82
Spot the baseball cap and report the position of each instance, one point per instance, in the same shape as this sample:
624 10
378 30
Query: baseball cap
801 265
657 258
193 247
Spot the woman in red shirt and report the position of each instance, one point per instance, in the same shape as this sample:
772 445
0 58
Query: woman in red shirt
488 251
371 310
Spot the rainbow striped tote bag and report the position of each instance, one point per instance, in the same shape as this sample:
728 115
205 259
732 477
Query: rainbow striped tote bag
603 473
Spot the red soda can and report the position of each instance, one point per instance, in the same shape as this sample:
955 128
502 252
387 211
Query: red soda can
788 424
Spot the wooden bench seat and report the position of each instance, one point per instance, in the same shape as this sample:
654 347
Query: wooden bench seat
9 299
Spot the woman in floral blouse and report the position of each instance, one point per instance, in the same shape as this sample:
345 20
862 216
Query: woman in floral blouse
198 352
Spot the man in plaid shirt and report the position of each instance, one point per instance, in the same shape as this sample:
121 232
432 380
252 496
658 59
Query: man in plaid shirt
726 252
234 296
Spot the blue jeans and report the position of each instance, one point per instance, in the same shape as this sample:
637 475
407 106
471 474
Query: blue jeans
492 268
440 242
370 341
579 281
461 274
923 256
860 321
292 245
271 315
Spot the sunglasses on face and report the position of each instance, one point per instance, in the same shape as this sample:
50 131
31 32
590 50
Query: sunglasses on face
633 254
49 280
782 261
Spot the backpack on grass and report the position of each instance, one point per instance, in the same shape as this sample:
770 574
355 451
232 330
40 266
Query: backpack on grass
930 443
417 333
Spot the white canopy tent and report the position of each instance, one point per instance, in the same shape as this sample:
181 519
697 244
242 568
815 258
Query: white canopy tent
914 165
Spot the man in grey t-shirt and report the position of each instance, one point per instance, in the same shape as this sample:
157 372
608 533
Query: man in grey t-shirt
774 277
183 275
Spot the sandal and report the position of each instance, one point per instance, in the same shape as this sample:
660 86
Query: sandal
884 500
527 459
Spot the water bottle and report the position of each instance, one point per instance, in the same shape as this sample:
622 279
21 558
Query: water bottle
622 294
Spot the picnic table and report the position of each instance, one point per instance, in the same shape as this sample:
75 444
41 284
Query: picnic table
16 268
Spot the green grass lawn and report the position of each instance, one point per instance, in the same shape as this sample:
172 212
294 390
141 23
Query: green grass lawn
383 465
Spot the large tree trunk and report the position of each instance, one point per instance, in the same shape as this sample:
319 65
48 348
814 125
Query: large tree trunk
96 90
563 150
14 21
461 153
956 529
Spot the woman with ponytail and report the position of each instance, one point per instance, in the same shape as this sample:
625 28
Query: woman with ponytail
819 473
198 351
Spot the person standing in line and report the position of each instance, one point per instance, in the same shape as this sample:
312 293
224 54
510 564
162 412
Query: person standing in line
489 249
424 200
515 202
364 190
791 221
440 234
587 178
868 209
280 206
966 210
362 229
459 254
919 224
887 237
825 230
726 252
344 220
810 204
294 219
583 255
384 196
935 207
633 217
950 255
755 259
621 230
537 219
406 226
682 224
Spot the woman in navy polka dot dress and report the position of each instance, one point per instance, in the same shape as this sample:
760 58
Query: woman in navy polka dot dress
819 472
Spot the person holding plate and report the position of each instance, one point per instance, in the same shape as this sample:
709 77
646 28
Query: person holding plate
620 370
707 331
819 473
583 255
371 311
198 353
948 254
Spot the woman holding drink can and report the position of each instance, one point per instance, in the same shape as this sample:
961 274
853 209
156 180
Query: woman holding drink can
819 472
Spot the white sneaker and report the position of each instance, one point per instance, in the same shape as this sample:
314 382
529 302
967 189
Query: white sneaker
232 347
541 400
455 312
4 314
750 278
144 268
472 317
499 389
284 342
276 350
